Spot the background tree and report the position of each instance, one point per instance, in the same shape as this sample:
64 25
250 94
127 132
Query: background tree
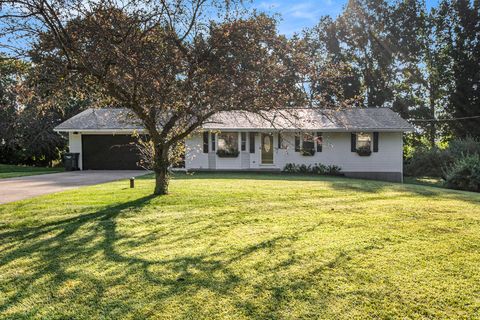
464 31
12 72
331 80
166 61
364 30
29 111
421 62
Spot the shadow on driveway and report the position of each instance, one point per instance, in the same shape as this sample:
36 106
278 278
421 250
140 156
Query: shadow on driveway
20 188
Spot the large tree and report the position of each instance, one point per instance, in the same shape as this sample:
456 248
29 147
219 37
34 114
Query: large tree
12 73
464 51
29 110
174 64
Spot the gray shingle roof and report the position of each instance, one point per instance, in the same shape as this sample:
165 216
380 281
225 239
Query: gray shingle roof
370 119
101 119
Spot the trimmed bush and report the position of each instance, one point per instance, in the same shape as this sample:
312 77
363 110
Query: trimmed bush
334 170
317 169
464 174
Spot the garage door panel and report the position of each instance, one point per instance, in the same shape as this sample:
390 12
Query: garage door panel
109 152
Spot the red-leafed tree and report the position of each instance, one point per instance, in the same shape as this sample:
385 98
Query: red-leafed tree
174 64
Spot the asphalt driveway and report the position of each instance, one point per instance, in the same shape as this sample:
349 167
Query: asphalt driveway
20 188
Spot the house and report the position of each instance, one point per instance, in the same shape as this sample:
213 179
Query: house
365 143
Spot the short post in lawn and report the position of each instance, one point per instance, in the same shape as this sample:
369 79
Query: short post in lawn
132 182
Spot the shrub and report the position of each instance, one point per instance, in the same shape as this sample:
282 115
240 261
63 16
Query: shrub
317 168
464 174
459 148
436 162
333 170
290 168
304 168
428 162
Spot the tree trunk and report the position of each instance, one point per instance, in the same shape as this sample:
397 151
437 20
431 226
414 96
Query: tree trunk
433 129
162 179
161 166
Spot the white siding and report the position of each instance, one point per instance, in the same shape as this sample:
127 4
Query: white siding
75 146
194 156
336 150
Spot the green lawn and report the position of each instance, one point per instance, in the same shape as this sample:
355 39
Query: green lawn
11 171
225 246
427 181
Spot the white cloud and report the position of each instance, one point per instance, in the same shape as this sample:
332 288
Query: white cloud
268 5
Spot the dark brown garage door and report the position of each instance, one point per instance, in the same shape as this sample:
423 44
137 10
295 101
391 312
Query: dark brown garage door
109 152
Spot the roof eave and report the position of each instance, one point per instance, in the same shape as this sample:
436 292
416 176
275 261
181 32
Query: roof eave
311 129
98 130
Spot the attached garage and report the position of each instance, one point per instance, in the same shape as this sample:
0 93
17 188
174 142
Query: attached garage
109 152
103 139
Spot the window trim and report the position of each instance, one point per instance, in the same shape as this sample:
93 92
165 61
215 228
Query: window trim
243 141
214 143
251 140
205 141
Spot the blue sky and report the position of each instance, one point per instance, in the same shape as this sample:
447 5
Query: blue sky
300 14
297 15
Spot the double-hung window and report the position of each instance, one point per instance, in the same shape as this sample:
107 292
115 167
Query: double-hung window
228 141
243 141
364 140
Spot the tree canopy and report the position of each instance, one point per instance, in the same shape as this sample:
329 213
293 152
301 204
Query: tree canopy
166 61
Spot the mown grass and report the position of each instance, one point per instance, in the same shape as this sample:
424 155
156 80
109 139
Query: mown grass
11 171
426 181
226 246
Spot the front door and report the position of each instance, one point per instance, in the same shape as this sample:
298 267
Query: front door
267 148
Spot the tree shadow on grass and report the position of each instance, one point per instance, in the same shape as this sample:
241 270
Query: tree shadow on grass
36 241
53 248
56 246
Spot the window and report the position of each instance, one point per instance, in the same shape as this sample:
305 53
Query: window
319 139
205 142
213 142
243 141
308 144
364 140
251 138
228 141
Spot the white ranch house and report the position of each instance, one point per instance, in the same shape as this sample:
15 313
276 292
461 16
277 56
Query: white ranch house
365 143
